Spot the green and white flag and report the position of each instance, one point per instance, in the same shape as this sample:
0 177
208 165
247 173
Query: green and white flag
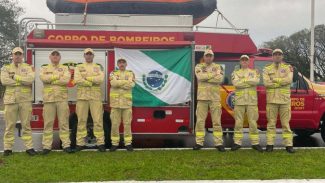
163 77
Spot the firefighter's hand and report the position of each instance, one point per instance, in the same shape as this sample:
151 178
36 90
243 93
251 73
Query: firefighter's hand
276 80
210 76
89 79
88 83
55 82
55 77
17 78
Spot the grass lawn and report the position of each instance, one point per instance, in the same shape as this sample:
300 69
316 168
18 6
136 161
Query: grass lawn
163 165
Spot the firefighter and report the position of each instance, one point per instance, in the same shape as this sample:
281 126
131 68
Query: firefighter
89 77
245 81
55 78
122 81
277 80
18 78
209 77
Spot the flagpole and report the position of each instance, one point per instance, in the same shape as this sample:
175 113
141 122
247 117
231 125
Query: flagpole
312 41
85 13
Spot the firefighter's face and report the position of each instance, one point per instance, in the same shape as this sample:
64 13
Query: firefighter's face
89 57
244 62
17 57
55 58
122 65
277 57
208 59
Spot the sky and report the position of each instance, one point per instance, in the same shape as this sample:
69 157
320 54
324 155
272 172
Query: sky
265 19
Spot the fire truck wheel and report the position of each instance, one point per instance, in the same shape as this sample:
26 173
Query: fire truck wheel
322 131
73 123
303 133
107 128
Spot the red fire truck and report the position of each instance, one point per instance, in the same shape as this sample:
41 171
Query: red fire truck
173 31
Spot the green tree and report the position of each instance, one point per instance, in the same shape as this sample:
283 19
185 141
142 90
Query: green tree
296 49
9 14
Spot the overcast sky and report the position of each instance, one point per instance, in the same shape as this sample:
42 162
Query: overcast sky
265 19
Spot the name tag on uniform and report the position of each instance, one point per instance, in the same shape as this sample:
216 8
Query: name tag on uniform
283 71
23 70
60 69
96 69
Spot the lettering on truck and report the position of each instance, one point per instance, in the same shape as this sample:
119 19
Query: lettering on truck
103 38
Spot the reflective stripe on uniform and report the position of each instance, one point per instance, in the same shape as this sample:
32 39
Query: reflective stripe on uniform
47 90
25 90
270 135
24 137
114 95
98 134
239 93
287 135
115 138
199 134
239 135
217 134
254 136
64 135
252 92
82 133
127 139
96 88
128 96
284 90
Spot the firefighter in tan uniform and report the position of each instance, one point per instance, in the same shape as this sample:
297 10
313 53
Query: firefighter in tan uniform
55 78
18 78
245 81
122 81
89 77
277 80
209 77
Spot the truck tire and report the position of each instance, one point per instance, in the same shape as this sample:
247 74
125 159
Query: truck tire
303 133
322 131
107 129
73 123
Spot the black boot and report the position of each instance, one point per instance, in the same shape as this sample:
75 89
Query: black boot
290 149
221 148
113 148
80 148
257 148
68 150
129 148
101 148
197 147
7 153
269 148
235 147
46 151
31 152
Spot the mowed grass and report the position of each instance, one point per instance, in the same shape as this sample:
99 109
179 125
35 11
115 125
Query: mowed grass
163 165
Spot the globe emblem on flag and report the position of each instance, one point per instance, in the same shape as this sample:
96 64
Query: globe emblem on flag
230 100
154 80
